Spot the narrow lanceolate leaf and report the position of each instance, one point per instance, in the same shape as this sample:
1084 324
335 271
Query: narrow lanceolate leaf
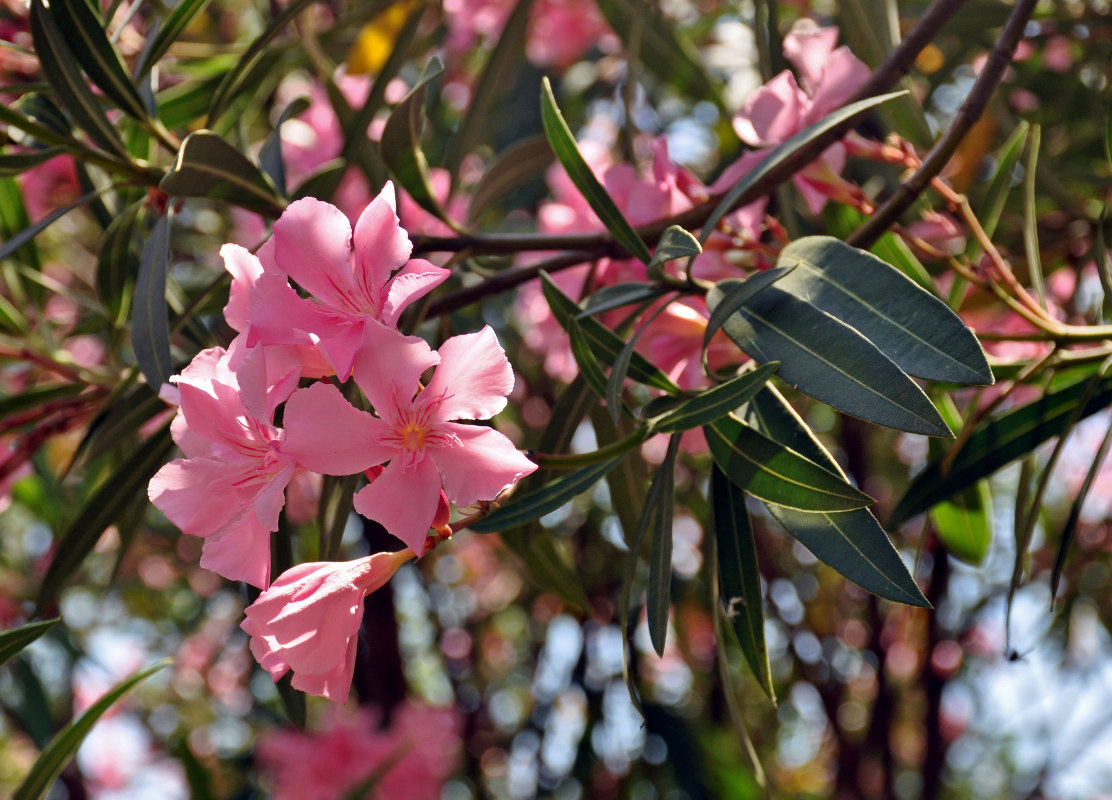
964 523
738 577
619 295
769 470
207 166
916 330
998 442
401 143
97 55
585 359
843 117
735 294
604 343
662 47
270 156
566 150
830 361
13 640
992 204
13 164
1030 217
60 67
511 170
714 404
658 594
173 26
544 501
102 509
1070 528
1104 263
852 542
150 324
674 243
547 564
64 746
27 234
118 263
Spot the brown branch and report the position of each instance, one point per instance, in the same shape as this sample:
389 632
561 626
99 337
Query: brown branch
992 73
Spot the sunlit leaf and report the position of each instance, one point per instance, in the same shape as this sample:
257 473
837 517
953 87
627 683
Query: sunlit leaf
674 243
716 402
63 747
209 167
567 151
996 195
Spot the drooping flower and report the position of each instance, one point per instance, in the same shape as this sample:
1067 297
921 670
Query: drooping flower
426 451
308 620
352 281
229 489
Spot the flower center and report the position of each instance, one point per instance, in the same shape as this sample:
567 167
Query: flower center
411 435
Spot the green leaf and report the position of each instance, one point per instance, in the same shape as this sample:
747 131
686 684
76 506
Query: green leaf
401 143
843 117
618 295
663 49
1030 217
173 26
37 397
827 359
964 523
774 473
1104 263
207 166
626 481
547 565
1070 528
13 164
27 234
118 262
270 156
293 701
736 294
852 542
150 324
604 343
110 499
564 146
916 330
95 53
119 419
715 403
544 501
992 204
63 747
658 594
511 170
13 640
998 442
589 366
674 243
738 576
60 67
238 77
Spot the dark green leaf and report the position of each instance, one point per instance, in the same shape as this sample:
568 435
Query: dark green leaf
843 116
98 57
658 594
1104 263
736 294
916 330
1070 528
996 443
824 357
12 164
401 143
674 243
60 67
207 166
127 408
510 171
293 701
23 237
173 26
118 263
626 481
605 344
715 403
662 47
566 150
150 324
270 156
738 576
13 640
589 366
544 501
774 473
619 295
102 509
196 774
547 565
37 397
64 746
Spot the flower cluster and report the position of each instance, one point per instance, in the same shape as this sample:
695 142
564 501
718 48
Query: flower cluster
230 487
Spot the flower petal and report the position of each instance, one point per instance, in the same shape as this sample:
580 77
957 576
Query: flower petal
245 269
389 364
416 279
325 433
473 378
772 113
381 246
404 501
240 551
312 244
484 463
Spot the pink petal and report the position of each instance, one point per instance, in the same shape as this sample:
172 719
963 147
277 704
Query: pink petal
280 316
473 378
842 75
198 494
416 279
335 684
808 50
772 113
240 551
404 501
324 433
381 246
484 464
312 244
245 270
388 365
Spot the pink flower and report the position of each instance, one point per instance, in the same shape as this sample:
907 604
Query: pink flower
427 452
351 289
309 618
781 108
229 489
